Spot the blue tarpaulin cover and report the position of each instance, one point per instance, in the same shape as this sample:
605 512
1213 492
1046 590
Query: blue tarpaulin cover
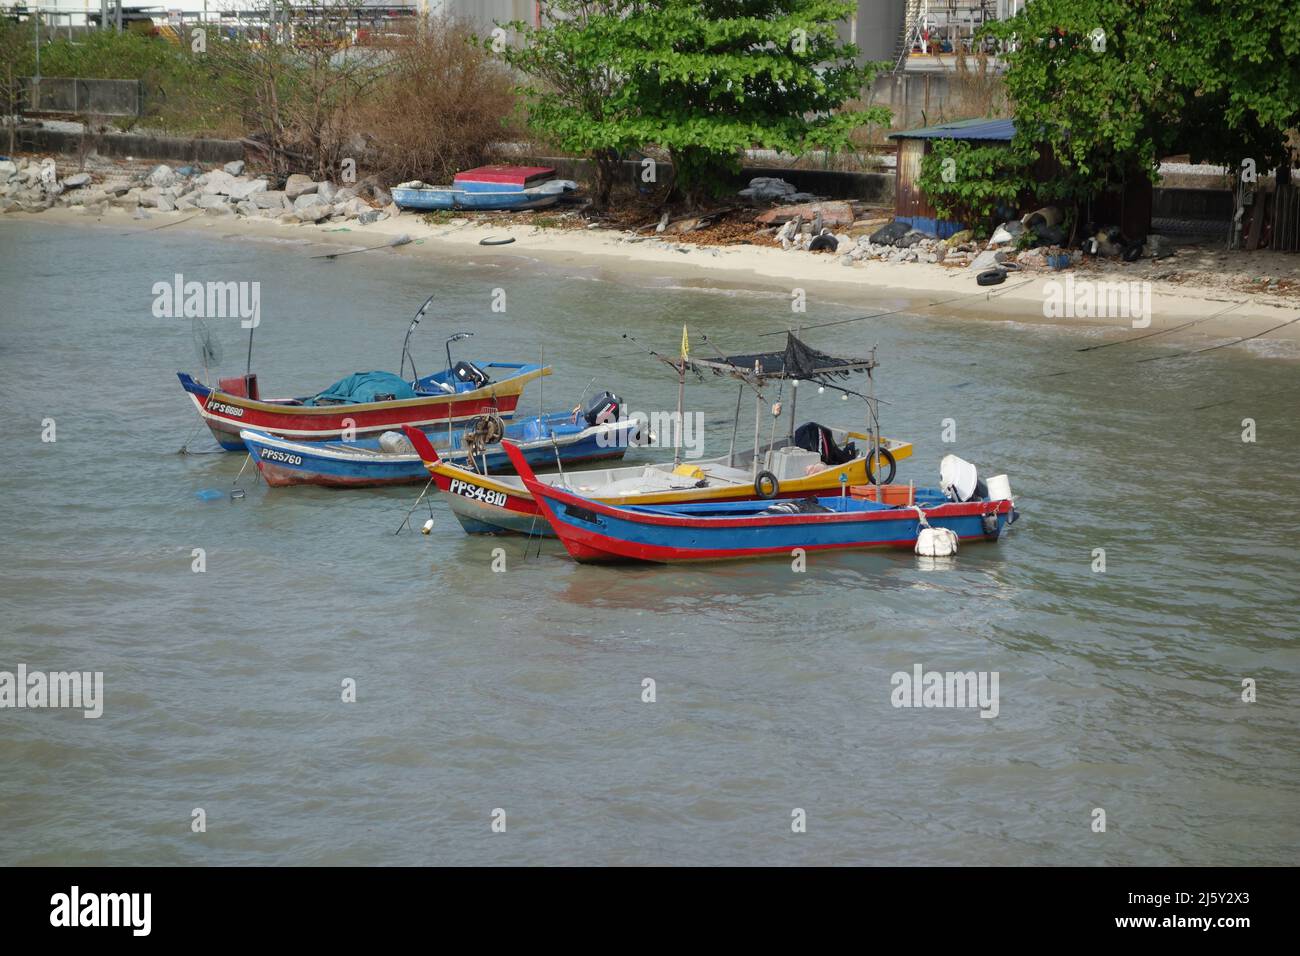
364 387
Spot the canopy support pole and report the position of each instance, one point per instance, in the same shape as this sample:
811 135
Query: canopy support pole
735 427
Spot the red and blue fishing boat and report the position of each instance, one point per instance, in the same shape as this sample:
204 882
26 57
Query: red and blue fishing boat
592 531
364 404
487 188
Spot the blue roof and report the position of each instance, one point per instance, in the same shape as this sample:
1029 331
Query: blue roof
987 129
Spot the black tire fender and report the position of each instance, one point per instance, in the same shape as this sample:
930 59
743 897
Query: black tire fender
888 456
762 479
991 277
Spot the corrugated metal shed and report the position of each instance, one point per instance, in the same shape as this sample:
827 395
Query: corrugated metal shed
994 131
911 205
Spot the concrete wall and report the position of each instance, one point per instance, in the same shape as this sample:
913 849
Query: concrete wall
121 145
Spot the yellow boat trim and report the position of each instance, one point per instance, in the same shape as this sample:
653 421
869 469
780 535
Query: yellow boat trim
826 480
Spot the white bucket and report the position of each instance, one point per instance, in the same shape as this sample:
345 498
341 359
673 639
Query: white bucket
957 478
999 487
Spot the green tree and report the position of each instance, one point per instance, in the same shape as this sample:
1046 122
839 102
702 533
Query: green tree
702 79
1111 86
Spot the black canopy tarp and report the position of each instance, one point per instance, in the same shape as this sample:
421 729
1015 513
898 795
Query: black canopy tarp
797 360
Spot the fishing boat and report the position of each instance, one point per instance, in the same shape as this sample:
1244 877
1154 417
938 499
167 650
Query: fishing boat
488 188
810 459
593 531
390 459
364 404
502 504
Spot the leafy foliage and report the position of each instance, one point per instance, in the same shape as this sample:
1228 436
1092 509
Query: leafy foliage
702 79
977 181
1216 78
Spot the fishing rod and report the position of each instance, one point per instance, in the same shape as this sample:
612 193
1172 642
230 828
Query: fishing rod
406 345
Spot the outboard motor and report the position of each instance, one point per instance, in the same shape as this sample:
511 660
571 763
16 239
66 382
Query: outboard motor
469 372
959 480
607 407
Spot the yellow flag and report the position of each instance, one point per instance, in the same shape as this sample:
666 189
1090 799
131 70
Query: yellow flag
686 343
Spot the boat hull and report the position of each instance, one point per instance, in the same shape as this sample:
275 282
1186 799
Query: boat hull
344 465
226 414
477 197
594 532
489 504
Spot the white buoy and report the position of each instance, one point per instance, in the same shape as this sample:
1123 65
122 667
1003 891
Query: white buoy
428 526
936 543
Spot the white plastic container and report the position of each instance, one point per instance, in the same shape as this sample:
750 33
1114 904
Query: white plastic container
999 488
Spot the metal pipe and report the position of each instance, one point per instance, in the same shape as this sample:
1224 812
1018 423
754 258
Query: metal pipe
735 427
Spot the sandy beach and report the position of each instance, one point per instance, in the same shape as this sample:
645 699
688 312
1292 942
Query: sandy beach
1202 309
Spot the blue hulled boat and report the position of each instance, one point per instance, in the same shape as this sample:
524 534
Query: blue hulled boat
391 460
727 530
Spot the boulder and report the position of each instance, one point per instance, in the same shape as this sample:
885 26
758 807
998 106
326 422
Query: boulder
206 201
245 189
223 210
988 259
273 199
245 208
326 191
7 168
298 185
344 194
218 183
149 197
127 200
235 169
161 175
369 216
166 203
76 181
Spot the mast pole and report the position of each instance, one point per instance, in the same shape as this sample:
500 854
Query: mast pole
758 416
680 423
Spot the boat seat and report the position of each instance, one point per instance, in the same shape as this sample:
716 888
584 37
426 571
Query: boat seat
738 476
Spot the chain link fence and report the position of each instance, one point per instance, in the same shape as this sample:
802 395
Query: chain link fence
54 94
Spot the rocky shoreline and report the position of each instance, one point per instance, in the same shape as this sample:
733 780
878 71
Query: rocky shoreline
30 185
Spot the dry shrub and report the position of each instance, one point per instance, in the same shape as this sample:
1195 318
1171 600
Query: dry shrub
975 89
443 102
